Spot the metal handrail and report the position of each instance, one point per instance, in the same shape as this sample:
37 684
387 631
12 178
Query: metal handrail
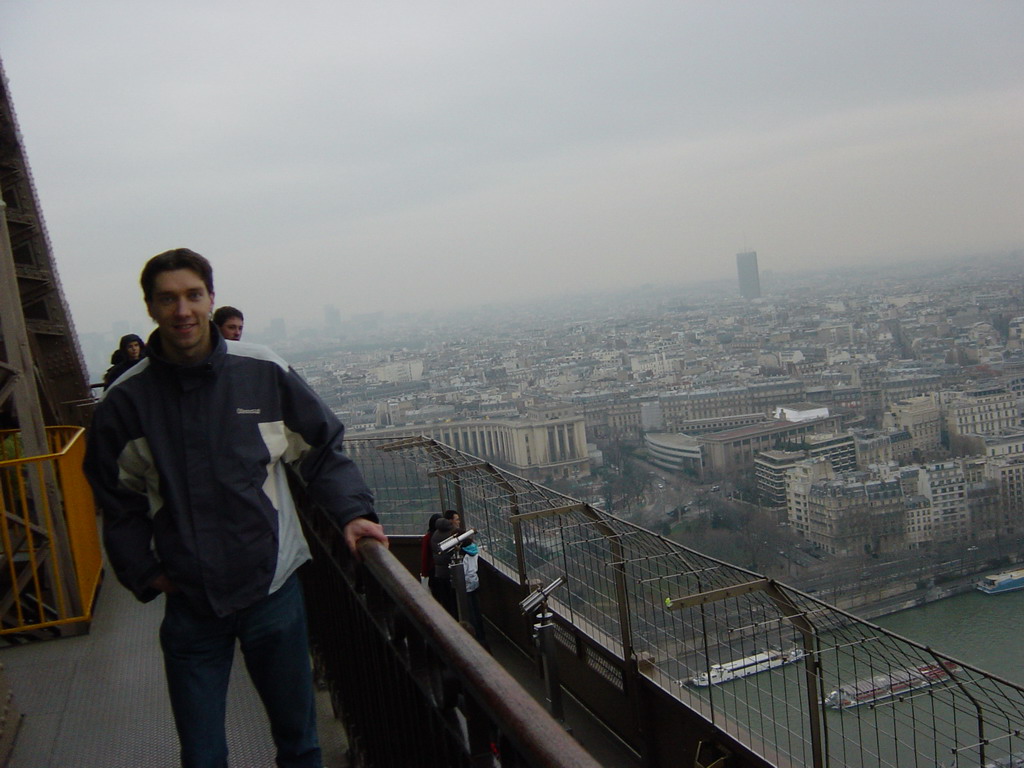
537 735
411 686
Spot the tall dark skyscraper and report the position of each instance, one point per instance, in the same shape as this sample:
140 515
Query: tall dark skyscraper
750 281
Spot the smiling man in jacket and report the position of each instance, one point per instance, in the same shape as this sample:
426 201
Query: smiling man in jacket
186 458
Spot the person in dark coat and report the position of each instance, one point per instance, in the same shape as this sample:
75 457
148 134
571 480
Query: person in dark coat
442 588
426 553
187 457
129 351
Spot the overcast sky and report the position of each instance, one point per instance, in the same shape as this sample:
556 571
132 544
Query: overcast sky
409 155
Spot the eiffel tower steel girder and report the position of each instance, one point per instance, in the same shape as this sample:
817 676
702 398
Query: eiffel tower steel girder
59 372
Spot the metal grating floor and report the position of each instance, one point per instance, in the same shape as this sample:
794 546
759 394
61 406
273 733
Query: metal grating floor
99 700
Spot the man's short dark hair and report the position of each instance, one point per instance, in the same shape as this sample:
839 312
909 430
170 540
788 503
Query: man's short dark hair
168 261
222 314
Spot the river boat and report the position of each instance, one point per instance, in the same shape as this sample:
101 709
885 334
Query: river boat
748 665
881 687
1007 581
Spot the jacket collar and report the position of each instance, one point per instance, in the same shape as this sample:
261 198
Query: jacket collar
188 373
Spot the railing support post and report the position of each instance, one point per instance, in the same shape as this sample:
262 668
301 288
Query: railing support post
545 629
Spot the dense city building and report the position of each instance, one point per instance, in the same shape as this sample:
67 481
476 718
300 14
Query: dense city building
538 448
770 469
675 451
732 452
880 370
920 417
979 411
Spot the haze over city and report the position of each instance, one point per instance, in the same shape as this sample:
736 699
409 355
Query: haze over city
708 316
405 157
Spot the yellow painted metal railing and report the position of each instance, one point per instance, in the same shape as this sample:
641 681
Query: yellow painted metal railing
50 562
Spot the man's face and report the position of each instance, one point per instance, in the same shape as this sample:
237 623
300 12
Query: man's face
134 350
180 306
232 329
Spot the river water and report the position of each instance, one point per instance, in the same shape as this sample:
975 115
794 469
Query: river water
985 631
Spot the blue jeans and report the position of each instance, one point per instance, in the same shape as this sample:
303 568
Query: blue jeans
198 653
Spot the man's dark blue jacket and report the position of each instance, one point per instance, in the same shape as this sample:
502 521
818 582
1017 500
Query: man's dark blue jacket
187 464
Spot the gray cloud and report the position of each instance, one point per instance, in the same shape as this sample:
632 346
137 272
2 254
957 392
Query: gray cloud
406 156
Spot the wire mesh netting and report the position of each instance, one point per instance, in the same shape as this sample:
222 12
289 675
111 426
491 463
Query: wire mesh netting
794 678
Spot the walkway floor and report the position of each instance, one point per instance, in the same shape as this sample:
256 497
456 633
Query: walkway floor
99 700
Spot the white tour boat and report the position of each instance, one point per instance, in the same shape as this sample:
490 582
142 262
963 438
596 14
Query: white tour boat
748 665
1007 581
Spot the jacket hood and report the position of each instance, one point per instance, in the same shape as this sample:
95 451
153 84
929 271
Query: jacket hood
120 355
128 339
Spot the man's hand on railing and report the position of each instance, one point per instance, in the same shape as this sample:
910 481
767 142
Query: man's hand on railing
361 528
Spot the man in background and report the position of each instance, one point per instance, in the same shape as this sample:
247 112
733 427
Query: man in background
230 322
186 456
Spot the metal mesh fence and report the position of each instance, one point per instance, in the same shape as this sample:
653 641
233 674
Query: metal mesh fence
794 678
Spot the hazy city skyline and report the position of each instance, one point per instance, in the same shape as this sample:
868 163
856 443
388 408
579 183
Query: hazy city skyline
404 157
